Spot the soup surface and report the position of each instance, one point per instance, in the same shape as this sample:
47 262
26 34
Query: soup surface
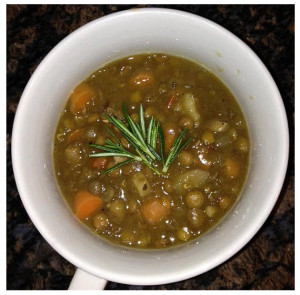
188 170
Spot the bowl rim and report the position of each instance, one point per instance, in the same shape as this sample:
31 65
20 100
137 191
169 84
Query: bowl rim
78 261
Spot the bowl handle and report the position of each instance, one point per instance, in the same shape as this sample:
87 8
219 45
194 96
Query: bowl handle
83 280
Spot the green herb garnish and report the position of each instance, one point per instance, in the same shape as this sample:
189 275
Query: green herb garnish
143 140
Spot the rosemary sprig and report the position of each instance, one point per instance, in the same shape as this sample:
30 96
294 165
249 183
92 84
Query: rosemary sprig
116 138
134 136
143 141
162 144
149 132
117 151
176 149
142 122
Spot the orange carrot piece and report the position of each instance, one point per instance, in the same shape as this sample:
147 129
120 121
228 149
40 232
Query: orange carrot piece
142 79
154 211
85 204
81 95
170 133
99 163
75 135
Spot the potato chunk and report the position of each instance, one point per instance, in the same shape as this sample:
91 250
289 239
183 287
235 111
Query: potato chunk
189 107
141 184
218 126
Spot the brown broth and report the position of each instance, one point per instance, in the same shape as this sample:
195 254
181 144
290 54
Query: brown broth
202 183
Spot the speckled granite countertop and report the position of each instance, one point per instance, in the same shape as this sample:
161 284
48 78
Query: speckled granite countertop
267 261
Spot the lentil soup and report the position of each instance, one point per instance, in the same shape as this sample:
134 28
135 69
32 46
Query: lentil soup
174 182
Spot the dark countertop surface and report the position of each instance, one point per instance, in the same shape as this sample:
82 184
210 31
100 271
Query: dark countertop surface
267 261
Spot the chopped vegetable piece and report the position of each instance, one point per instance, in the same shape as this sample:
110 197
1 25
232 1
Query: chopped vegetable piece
196 217
194 199
208 137
170 133
154 211
75 135
218 126
75 153
211 211
86 204
119 159
223 141
231 168
81 95
92 118
184 234
99 163
100 221
225 202
117 210
189 107
186 158
141 184
189 180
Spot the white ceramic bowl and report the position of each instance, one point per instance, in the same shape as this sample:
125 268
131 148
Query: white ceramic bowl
119 35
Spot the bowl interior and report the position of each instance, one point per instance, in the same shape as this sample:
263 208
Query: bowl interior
120 35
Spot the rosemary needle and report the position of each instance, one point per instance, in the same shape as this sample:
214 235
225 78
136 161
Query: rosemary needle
143 141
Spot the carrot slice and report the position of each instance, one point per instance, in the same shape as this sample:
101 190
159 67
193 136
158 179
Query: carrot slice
154 211
85 204
99 163
81 95
75 135
170 133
